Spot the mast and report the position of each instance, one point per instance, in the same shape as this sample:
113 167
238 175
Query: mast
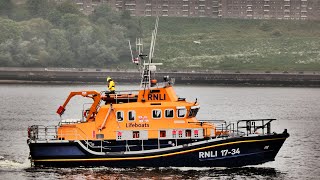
149 66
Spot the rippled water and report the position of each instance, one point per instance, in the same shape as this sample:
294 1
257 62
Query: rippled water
297 109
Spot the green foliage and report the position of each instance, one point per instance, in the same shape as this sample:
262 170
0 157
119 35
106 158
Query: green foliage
35 28
58 35
37 8
67 7
276 33
55 17
234 44
19 13
265 26
6 7
9 30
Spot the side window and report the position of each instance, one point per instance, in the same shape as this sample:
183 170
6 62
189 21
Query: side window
163 133
156 113
193 112
120 116
190 113
180 133
196 133
181 113
136 134
169 113
119 135
131 115
188 133
174 133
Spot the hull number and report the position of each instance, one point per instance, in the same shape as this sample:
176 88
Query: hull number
226 152
222 153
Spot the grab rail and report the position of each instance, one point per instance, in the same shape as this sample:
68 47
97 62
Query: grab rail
46 133
253 125
240 127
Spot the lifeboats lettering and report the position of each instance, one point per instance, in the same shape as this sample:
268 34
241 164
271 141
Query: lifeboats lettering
137 125
157 97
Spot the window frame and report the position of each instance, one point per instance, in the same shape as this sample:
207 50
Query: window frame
162 133
193 111
135 134
165 113
160 114
188 133
122 112
135 115
182 108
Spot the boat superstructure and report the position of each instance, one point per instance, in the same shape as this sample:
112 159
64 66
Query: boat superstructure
150 127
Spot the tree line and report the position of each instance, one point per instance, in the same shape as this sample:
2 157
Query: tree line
41 33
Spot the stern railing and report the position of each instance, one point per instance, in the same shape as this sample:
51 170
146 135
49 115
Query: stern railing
49 133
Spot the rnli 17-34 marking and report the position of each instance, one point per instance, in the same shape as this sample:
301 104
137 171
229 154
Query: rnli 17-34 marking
214 154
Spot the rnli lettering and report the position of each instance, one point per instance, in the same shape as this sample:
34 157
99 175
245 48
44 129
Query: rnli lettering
208 154
160 97
137 125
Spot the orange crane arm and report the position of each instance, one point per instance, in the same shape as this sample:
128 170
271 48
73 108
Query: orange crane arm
90 94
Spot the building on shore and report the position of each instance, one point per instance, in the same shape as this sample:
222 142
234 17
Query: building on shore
244 9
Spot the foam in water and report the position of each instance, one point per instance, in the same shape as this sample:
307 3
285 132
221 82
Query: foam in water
4 163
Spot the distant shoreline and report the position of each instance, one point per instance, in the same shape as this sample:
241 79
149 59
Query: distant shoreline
98 76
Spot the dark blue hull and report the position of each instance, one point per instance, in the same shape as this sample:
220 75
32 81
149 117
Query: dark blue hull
231 152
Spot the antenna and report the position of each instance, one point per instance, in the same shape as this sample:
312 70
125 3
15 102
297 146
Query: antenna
153 40
150 67
130 50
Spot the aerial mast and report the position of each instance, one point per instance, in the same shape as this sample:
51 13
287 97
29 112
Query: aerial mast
149 66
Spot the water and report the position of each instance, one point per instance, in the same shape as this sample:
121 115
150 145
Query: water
297 109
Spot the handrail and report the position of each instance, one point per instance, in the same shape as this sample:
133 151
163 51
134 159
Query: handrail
224 129
40 132
105 119
251 126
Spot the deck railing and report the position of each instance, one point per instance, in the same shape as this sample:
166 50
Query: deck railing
241 127
47 133
38 133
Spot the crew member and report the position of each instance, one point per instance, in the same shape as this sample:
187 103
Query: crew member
111 86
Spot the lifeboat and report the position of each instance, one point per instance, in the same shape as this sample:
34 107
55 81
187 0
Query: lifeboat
150 127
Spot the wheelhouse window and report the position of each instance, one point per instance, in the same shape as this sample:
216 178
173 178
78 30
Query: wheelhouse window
193 111
131 115
156 113
169 113
120 115
181 112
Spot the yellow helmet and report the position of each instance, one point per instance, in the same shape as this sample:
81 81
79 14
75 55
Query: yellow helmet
108 78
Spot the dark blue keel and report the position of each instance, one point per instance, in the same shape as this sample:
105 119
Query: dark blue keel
230 152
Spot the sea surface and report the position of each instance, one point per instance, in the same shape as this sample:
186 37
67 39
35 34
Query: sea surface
297 109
